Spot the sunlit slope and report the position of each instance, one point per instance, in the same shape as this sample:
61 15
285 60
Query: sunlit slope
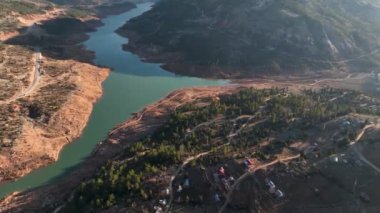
10 10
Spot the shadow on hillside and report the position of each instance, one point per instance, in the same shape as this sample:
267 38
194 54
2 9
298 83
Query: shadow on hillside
58 38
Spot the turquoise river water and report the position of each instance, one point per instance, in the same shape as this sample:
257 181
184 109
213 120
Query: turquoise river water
131 85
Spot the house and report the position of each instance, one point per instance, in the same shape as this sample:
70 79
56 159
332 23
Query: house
231 180
248 163
186 184
270 183
279 194
158 209
179 189
221 172
167 191
162 202
217 198
16 108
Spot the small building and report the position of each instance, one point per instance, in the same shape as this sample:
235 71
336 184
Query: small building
221 172
167 191
279 194
270 183
217 198
16 108
186 184
158 209
231 180
179 189
364 197
248 163
162 202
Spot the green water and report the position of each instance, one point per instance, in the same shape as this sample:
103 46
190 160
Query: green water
132 85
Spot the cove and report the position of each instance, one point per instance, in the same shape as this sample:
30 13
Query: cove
131 85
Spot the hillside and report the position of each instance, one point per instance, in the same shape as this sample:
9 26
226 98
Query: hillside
313 142
99 8
248 37
11 10
286 136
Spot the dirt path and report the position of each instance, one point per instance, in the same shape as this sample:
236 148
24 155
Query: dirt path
251 172
36 74
361 134
360 155
188 160
184 164
341 96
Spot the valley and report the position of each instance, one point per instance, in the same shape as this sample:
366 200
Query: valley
100 114
36 65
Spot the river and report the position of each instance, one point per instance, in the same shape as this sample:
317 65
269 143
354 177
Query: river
131 85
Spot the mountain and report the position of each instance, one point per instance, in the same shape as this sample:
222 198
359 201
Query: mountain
248 37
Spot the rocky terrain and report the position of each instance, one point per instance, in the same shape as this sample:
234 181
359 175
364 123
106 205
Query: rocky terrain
220 38
12 13
36 126
40 57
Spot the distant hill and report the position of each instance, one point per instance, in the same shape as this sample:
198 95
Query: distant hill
100 8
11 9
248 37
84 2
93 2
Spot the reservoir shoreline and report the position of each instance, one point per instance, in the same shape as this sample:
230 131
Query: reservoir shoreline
132 85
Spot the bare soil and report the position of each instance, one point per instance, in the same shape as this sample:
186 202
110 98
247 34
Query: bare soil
39 144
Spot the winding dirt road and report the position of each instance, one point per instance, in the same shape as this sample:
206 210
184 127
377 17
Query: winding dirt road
360 155
36 74
249 173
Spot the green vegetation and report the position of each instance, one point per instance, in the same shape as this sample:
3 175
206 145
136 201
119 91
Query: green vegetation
77 13
238 122
9 22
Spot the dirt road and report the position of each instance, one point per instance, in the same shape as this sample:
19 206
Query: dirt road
36 74
249 173
187 161
360 155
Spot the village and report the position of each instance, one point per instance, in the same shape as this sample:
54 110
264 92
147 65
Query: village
228 181
251 184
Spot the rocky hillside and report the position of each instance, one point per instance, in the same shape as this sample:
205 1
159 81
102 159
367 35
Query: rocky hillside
12 9
247 37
